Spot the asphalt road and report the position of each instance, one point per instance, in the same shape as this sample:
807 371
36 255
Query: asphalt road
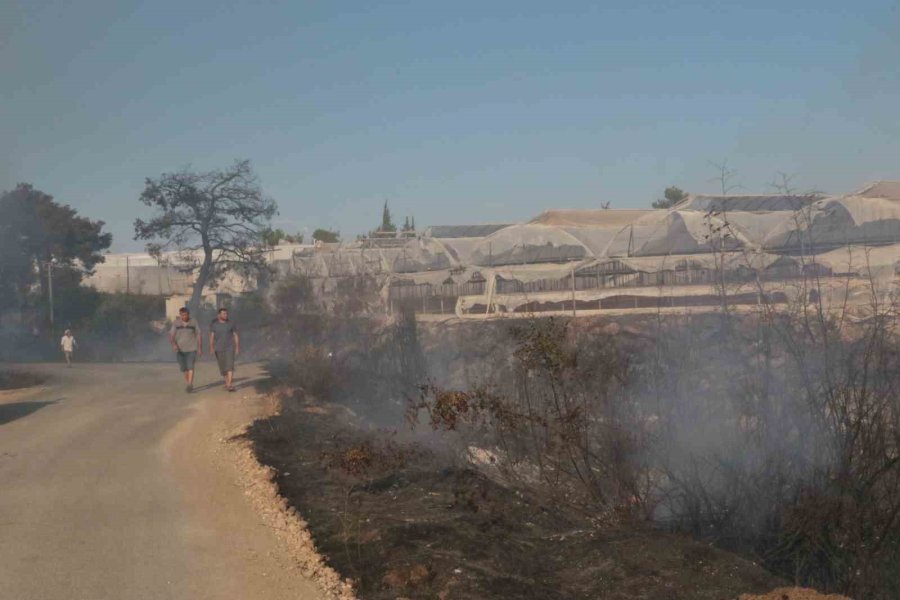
114 485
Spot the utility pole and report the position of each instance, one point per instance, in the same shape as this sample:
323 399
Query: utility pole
127 276
50 288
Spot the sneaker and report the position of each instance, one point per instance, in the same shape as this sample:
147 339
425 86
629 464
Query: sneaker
189 388
231 389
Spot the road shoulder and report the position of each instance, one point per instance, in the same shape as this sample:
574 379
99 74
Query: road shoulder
244 530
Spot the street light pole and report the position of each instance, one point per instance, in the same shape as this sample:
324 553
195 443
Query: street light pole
50 288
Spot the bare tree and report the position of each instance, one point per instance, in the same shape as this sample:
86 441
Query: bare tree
216 220
783 183
724 177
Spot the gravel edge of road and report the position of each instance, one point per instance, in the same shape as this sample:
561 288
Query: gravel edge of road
259 486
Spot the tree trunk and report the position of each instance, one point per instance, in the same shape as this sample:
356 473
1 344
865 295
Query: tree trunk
200 283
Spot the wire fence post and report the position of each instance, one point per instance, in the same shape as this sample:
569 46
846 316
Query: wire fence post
574 309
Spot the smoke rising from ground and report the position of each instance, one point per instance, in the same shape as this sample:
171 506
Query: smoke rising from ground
773 434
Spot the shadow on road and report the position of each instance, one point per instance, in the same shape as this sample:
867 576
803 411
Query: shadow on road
239 383
245 382
16 410
207 386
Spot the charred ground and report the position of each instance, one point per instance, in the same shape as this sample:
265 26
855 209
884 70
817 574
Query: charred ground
571 458
405 521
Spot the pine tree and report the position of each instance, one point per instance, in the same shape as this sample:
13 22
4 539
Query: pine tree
387 223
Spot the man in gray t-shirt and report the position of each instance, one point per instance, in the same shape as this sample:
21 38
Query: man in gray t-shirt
187 342
225 341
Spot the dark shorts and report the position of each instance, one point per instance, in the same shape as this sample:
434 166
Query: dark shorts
225 358
186 360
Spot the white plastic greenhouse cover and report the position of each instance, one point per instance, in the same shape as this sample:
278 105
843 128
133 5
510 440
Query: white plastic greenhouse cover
677 232
838 221
573 238
889 190
525 244
593 218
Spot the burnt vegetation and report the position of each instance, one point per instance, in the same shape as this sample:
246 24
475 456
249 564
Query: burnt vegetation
775 436
469 460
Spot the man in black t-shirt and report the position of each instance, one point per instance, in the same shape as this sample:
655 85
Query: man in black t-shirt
224 340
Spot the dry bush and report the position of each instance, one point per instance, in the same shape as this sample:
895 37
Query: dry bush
341 351
370 456
559 418
778 436
310 369
775 435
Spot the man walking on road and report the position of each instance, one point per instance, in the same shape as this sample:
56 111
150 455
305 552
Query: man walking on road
68 344
187 344
224 339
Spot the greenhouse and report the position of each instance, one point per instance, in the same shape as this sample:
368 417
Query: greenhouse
759 248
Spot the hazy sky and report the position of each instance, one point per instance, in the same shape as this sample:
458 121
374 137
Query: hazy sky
456 112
